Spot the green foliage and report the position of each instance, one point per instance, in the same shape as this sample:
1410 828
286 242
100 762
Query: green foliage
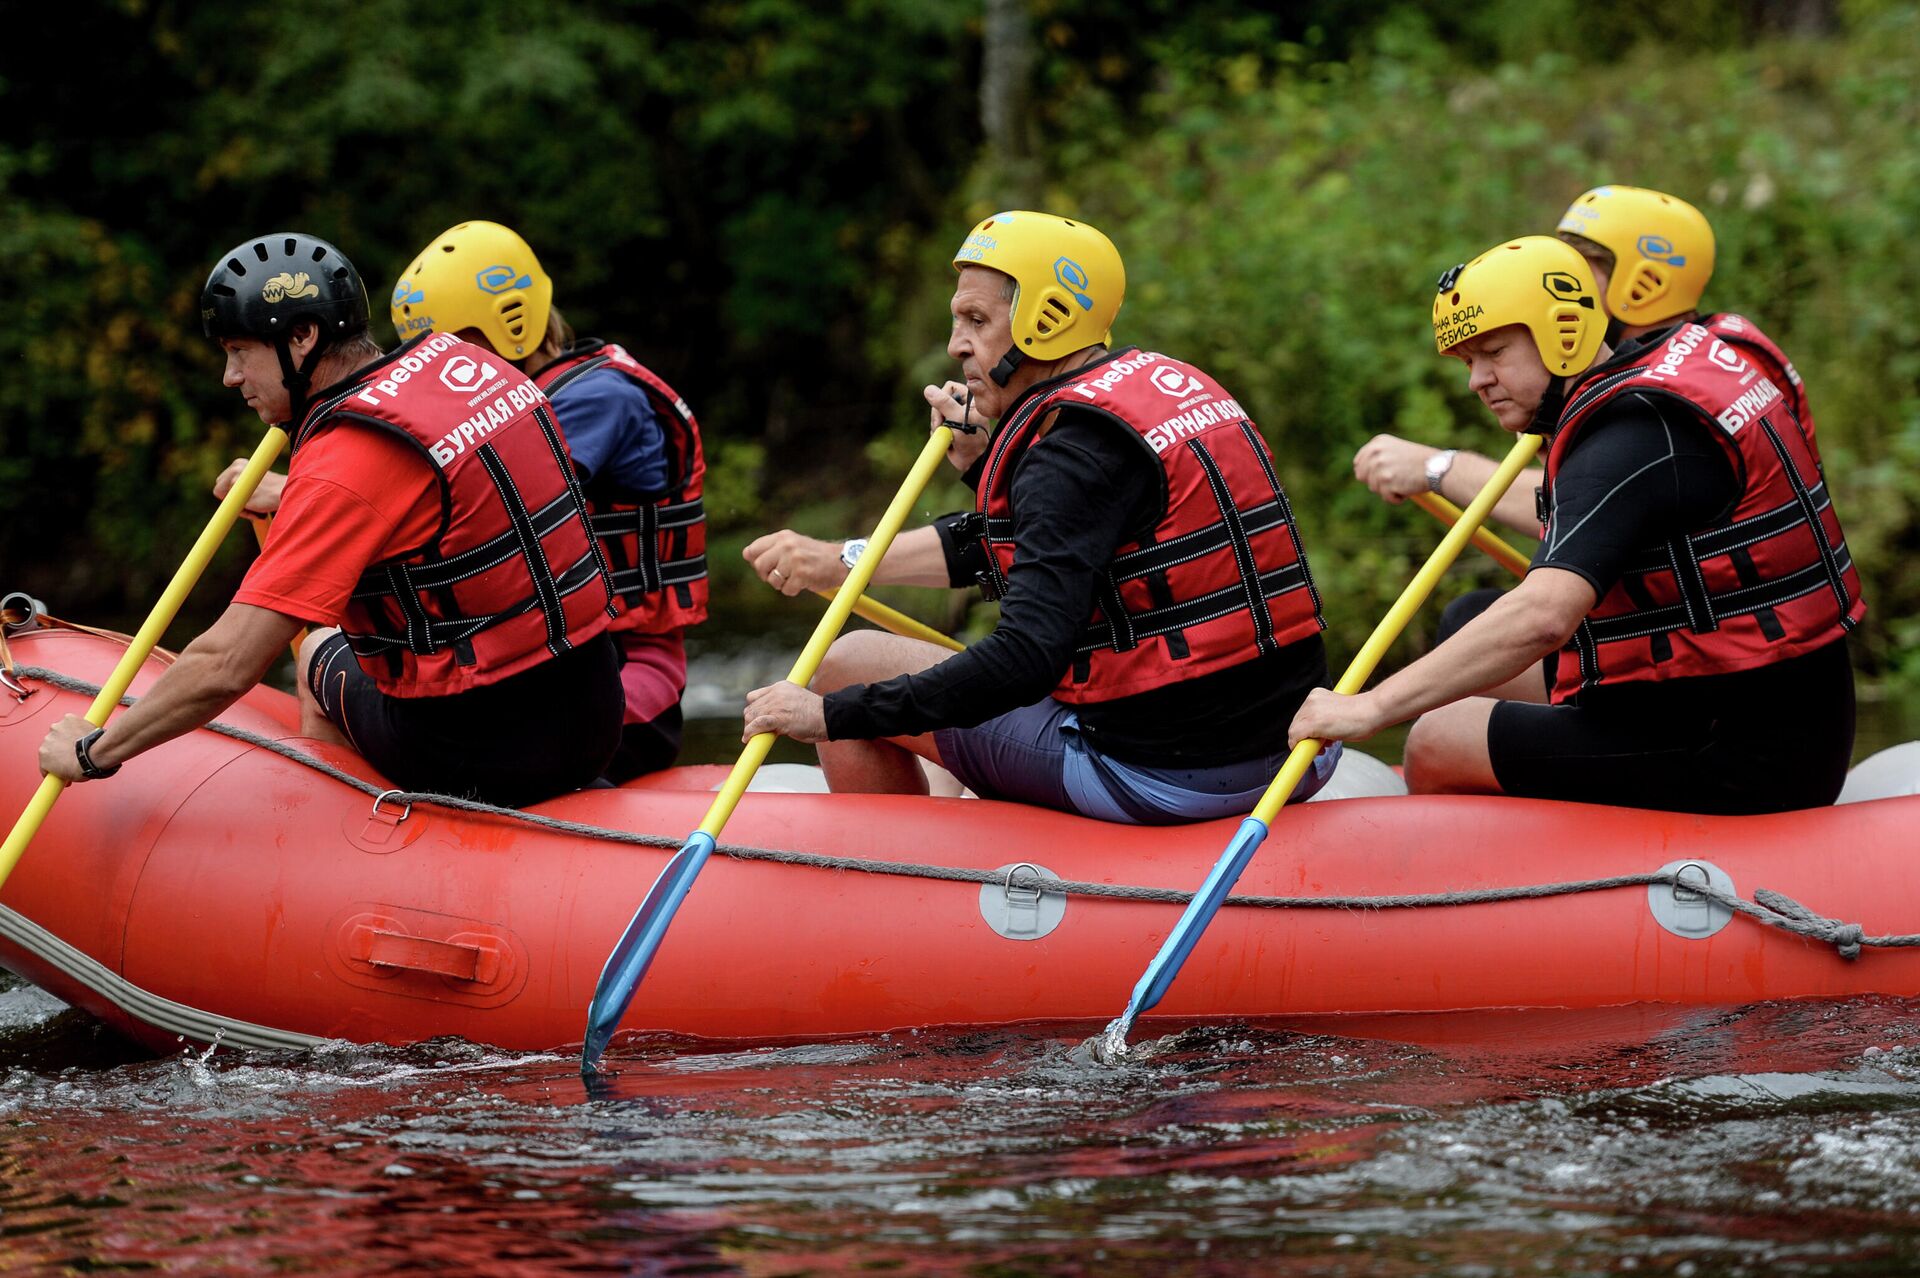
732 188
1284 229
761 196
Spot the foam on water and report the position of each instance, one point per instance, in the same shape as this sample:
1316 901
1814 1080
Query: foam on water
1775 1139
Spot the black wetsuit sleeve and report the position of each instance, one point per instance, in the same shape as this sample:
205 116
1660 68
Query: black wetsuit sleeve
1079 494
1643 472
966 555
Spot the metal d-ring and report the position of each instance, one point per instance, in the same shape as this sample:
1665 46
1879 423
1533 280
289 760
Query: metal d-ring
1024 894
406 809
1023 901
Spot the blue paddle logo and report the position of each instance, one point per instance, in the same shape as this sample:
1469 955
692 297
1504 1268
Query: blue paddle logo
1661 249
1074 279
407 295
498 279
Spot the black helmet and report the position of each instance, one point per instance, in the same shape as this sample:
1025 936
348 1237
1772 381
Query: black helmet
267 284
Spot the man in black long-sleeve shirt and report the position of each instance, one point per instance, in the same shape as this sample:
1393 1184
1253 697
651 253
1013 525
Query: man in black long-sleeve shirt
1692 596
1158 625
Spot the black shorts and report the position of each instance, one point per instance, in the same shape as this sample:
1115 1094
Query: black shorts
532 736
1768 740
647 747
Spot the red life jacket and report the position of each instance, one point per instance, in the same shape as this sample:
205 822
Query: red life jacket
513 576
1744 335
656 545
1219 578
1771 579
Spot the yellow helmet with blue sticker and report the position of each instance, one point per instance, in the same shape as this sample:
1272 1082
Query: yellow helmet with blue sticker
1535 281
478 275
1068 278
1662 250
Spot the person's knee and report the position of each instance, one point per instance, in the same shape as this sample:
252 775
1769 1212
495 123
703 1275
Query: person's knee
309 648
855 657
1424 757
1447 750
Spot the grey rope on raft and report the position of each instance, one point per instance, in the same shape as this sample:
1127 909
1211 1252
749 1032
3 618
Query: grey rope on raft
1770 908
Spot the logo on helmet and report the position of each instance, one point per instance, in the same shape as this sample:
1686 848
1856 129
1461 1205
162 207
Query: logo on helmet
465 374
1565 286
498 279
406 294
1661 249
283 286
1074 279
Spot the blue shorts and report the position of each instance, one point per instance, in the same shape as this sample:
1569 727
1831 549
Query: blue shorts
1037 755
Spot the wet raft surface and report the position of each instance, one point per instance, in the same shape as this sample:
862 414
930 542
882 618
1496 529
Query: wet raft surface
1775 1139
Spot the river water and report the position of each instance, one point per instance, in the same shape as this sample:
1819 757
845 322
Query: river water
1775 1139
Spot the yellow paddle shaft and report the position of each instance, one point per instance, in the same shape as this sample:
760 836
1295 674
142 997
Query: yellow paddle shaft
149 634
830 623
895 622
1365 661
1495 546
260 523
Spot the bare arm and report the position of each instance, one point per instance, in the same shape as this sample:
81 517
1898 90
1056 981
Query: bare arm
792 563
211 674
1396 469
1525 624
266 497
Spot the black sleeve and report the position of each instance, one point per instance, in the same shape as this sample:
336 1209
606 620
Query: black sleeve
1642 473
966 556
1078 494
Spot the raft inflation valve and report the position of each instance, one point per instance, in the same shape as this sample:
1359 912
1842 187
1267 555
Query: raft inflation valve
1023 904
1687 913
20 611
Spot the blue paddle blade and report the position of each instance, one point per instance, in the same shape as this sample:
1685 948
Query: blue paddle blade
1158 977
634 952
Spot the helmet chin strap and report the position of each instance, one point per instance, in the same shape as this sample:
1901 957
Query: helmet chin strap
298 381
1009 364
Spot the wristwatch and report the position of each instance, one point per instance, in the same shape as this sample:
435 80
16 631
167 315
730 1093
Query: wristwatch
1437 467
82 750
852 549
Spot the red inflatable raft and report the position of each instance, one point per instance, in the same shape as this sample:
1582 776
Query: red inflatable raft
217 889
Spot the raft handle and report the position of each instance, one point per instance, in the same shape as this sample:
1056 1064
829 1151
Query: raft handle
456 958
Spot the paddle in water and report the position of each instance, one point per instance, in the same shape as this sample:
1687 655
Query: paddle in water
184 580
634 952
1111 1046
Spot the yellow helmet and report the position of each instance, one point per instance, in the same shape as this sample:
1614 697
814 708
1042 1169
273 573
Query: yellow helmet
476 275
1535 280
1662 250
1068 277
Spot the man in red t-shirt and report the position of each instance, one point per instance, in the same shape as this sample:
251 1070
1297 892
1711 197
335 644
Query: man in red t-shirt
356 498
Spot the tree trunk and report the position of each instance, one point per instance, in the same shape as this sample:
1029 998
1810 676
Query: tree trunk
1011 169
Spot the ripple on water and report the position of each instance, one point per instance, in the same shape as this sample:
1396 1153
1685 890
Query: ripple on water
1776 1139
